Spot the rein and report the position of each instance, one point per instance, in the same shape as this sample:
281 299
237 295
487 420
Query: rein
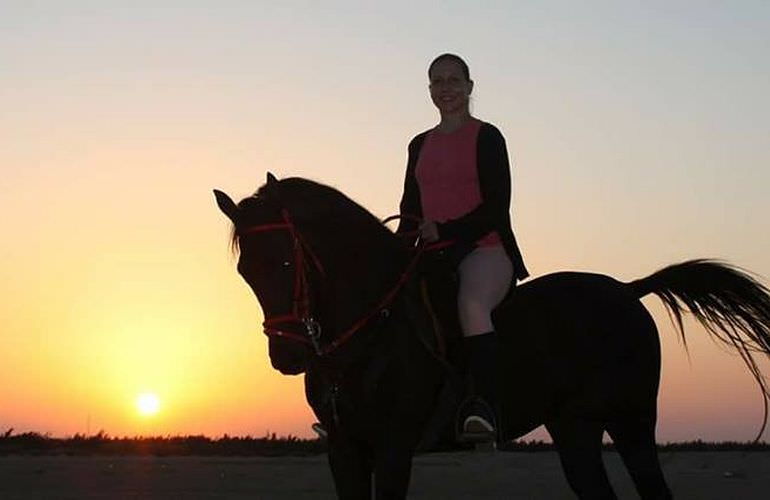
301 313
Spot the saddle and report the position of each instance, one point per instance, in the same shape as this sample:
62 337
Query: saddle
436 296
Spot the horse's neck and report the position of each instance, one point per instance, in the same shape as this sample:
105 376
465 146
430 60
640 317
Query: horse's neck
357 286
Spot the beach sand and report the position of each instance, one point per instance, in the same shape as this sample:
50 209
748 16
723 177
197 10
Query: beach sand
462 475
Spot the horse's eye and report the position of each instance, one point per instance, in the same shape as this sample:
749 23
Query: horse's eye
286 263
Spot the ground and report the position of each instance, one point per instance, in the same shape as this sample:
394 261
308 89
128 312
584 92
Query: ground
445 476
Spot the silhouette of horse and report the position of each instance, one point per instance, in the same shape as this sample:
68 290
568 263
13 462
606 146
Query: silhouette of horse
579 352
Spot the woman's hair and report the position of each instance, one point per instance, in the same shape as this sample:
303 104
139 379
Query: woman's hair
451 57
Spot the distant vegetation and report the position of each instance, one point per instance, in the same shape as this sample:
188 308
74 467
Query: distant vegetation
32 443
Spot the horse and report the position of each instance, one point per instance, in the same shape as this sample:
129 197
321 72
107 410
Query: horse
578 352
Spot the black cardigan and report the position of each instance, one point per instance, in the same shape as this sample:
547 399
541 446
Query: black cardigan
491 215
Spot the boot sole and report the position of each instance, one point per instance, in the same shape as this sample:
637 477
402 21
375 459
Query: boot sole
477 430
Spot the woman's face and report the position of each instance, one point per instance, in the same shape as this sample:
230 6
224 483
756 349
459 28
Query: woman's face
449 89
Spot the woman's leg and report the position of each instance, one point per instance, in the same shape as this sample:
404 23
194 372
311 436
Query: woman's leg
485 277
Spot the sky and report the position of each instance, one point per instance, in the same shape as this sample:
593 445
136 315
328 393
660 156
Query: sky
638 135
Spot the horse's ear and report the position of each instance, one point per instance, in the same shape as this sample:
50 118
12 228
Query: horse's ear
226 205
271 180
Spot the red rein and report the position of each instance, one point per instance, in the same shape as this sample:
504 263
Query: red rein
301 313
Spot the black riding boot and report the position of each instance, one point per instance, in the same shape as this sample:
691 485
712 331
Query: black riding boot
479 414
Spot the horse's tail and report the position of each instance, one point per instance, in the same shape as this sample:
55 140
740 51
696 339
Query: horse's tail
732 305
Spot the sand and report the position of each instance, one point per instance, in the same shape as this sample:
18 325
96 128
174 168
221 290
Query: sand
465 475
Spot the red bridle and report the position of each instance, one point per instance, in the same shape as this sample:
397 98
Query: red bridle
301 310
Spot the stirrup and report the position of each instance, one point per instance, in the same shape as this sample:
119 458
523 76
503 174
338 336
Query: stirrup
320 430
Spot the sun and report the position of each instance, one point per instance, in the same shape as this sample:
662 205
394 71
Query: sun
147 403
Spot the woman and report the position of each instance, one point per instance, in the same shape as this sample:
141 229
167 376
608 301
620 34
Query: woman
458 183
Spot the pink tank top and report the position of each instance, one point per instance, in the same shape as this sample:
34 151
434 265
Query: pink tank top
448 177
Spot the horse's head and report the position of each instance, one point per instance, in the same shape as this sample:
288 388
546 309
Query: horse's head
313 257
278 265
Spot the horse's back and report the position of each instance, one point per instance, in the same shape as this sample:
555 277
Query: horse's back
594 301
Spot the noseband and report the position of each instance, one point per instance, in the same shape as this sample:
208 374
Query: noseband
301 313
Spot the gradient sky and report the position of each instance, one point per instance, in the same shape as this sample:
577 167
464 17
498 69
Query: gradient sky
638 133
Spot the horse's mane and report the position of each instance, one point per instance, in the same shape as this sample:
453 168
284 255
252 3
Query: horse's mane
312 204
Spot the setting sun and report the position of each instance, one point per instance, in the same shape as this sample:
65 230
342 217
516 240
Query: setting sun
148 404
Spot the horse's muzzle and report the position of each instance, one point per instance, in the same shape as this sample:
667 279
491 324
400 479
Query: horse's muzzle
288 357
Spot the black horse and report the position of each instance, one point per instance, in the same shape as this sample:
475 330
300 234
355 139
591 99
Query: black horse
578 351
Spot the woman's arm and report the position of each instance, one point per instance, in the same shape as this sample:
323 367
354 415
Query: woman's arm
410 207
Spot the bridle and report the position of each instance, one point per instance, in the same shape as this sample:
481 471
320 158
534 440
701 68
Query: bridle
300 310
301 313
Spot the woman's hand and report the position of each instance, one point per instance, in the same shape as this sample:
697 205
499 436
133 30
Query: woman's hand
429 231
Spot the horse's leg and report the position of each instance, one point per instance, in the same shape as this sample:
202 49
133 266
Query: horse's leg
351 468
579 443
635 441
392 471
